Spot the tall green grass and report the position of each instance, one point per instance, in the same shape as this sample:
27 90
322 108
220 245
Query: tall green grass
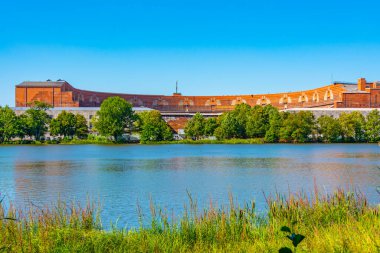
340 222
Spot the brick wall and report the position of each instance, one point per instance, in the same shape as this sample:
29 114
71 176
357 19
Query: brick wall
51 95
324 96
68 96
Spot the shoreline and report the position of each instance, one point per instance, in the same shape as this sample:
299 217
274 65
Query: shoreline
182 142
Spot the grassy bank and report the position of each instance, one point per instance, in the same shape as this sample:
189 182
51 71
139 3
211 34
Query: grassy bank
102 141
63 142
206 141
342 222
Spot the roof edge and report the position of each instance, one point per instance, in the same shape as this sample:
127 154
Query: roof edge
42 84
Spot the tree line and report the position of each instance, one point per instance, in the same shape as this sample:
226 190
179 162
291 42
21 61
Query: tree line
35 123
269 123
114 119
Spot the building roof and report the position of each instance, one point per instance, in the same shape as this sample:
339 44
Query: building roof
345 83
350 88
42 84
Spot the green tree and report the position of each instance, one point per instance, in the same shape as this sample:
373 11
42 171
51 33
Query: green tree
352 125
114 116
275 123
372 126
233 124
287 127
306 127
68 124
228 127
81 127
329 128
40 105
195 127
240 113
258 120
23 126
9 124
54 127
63 125
37 120
153 127
297 127
210 125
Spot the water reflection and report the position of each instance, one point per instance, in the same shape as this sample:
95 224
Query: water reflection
119 176
369 156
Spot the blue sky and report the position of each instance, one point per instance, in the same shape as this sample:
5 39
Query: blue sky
210 47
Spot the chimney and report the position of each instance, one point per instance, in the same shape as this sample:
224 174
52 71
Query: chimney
362 84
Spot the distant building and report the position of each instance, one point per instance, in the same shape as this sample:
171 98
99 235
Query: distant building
366 95
177 108
339 94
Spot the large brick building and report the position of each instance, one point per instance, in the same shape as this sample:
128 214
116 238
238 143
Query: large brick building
339 94
366 95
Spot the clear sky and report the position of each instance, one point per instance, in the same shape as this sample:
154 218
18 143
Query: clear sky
210 47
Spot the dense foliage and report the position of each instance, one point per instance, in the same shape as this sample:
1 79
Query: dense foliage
68 124
259 124
153 127
9 124
114 118
271 125
329 128
34 122
372 126
195 127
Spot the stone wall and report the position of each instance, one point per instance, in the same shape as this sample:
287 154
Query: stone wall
334 112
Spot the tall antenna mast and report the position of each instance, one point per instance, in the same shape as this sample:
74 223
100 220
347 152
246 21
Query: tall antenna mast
176 87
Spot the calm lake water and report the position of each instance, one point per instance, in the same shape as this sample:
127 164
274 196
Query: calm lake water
122 176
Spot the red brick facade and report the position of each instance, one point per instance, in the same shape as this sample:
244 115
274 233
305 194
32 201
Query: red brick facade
57 96
62 94
366 96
